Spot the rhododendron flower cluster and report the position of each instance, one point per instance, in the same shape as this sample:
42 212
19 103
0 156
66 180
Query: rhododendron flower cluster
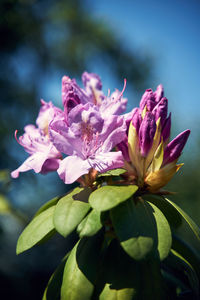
91 135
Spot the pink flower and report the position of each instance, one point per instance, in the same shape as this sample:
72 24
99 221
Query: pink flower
87 138
92 93
44 157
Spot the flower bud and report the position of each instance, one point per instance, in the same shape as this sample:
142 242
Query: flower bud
166 129
146 133
148 99
72 95
159 93
153 162
136 119
160 110
175 147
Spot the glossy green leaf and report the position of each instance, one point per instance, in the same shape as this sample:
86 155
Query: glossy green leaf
75 285
112 294
48 204
163 232
110 196
81 269
53 289
115 172
181 224
91 224
135 227
70 211
171 214
174 213
193 226
40 227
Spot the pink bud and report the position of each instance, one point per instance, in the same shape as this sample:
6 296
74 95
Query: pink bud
146 133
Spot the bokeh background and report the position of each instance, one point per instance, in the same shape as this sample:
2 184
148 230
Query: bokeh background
148 42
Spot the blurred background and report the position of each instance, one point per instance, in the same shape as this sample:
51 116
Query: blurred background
147 42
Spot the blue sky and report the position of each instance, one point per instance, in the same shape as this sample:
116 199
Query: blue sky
169 31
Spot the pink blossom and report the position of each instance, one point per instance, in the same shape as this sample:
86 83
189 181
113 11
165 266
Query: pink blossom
44 157
87 138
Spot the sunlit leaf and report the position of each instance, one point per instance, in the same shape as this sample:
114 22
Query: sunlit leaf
112 294
91 224
135 227
70 211
53 289
193 226
171 214
75 285
115 172
174 213
163 232
81 269
48 204
40 227
109 196
182 225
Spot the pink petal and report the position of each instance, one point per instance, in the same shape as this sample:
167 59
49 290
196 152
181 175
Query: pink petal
51 164
114 131
107 161
34 162
73 167
62 138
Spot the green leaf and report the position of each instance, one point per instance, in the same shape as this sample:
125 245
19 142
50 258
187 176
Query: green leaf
70 211
112 294
40 227
110 196
135 227
179 263
163 232
52 291
193 226
171 214
174 213
115 172
125 278
91 224
181 224
48 204
75 284
81 269
188 252
118 274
